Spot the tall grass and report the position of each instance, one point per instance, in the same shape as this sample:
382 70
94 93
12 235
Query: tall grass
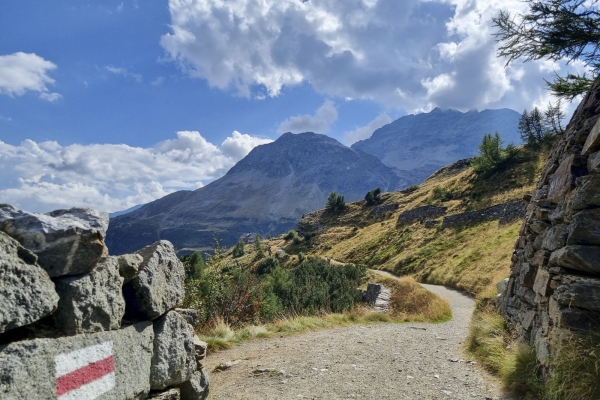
574 372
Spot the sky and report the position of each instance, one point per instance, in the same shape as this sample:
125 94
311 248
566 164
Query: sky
109 104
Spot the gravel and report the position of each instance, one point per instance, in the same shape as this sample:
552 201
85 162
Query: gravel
386 361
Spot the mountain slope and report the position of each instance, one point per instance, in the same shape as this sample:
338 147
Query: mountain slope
418 145
266 192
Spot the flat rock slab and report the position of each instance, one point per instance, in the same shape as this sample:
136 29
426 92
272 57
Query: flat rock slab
113 365
26 292
383 361
158 287
67 242
91 302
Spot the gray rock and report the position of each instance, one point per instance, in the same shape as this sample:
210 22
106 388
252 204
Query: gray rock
191 316
581 258
158 287
199 351
588 194
169 394
593 163
67 242
527 275
555 237
29 369
579 292
502 286
592 142
377 296
585 228
26 292
129 265
562 180
92 302
197 387
174 359
542 279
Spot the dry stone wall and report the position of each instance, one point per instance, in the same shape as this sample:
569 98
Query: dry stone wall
504 213
554 284
76 323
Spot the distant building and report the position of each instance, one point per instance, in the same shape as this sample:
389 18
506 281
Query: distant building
248 238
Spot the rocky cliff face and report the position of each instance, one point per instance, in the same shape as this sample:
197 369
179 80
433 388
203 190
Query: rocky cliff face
554 284
266 192
76 323
418 145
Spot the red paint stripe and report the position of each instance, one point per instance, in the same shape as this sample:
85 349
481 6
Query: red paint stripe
81 376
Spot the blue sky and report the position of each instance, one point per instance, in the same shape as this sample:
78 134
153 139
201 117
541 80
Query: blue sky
109 104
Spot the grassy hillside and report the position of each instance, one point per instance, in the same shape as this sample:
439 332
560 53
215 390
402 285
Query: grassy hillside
471 258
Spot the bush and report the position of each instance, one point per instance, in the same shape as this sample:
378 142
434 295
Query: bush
335 202
266 265
238 250
410 189
492 154
442 194
373 197
291 235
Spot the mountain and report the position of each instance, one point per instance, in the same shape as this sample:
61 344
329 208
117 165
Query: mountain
123 212
266 192
418 145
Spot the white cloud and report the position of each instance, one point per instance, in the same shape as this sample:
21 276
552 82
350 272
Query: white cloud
111 177
24 72
319 123
123 72
120 7
411 54
238 145
365 132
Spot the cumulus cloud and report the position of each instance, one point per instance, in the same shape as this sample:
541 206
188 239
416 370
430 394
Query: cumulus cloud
409 54
111 177
26 72
238 145
123 72
365 132
318 123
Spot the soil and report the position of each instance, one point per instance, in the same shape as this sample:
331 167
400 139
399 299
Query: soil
385 361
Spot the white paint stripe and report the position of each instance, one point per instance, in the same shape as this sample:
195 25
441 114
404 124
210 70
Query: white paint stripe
74 360
91 390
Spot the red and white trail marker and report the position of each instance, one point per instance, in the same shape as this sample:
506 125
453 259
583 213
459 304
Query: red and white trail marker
85 373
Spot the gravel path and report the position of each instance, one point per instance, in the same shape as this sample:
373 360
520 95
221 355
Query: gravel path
387 361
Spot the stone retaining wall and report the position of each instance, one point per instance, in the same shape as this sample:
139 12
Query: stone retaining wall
76 323
504 213
554 284
421 213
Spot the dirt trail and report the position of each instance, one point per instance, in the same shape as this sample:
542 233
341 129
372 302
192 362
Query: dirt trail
387 361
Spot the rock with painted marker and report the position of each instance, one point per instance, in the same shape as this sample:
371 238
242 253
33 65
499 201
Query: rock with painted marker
67 242
111 365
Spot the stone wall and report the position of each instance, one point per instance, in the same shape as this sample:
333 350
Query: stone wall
504 213
421 213
76 323
554 284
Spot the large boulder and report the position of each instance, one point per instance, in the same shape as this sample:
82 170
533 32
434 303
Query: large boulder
158 287
174 359
113 364
197 387
26 292
92 302
67 242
